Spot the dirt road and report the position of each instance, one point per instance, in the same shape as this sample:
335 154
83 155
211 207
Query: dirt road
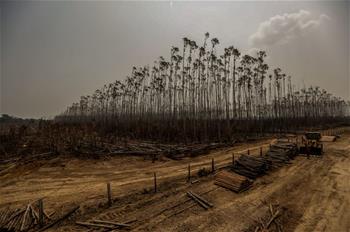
312 194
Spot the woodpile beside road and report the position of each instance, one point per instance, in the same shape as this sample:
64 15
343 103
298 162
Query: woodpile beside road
173 151
250 166
281 153
291 149
232 181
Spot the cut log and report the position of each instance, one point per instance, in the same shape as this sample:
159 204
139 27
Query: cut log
24 217
34 215
202 199
88 224
199 202
111 223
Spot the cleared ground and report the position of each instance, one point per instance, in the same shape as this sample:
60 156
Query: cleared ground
67 180
313 194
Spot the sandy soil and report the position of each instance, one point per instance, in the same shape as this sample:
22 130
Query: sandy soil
313 194
67 180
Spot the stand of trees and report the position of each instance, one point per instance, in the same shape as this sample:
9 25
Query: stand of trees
200 95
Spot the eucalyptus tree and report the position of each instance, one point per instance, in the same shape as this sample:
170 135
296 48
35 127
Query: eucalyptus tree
200 94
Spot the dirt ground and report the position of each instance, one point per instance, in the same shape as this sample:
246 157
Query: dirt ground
313 194
66 180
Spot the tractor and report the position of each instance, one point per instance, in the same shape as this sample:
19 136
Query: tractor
311 144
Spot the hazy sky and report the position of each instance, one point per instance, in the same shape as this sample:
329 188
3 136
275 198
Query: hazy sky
54 52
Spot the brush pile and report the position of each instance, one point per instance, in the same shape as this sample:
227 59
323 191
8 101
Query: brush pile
232 181
250 166
21 219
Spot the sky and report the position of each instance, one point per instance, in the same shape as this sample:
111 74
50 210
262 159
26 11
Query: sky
52 52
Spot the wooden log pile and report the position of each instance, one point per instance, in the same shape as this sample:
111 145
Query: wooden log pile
281 153
232 181
250 166
21 219
290 148
277 158
170 150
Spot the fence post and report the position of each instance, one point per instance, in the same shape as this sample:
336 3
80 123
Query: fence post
189 173
41 212
212 165
248 152
109 194
261 152
155 182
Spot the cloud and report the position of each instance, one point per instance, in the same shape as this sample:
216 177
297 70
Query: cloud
280 29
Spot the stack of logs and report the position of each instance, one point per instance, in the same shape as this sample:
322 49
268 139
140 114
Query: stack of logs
21 219
232 181
281 153
170 150
250 166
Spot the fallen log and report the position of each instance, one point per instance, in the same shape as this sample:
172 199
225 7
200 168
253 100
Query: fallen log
111 223
88 224
199 202
24 217
202 199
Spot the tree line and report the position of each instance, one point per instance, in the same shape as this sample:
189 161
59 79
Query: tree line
200 95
